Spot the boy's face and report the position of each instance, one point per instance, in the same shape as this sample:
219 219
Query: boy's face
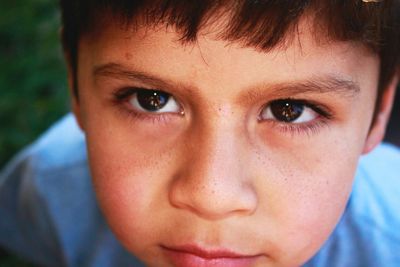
245 158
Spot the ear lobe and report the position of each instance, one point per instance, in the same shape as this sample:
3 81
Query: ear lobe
377 132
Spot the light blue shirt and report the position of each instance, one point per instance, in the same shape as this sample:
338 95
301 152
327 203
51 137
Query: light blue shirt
49 215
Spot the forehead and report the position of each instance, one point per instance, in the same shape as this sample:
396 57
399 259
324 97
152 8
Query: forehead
158 50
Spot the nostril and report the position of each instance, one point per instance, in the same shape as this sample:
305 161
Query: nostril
215 200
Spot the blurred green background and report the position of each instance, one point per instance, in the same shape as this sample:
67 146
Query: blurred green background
32 73
33 91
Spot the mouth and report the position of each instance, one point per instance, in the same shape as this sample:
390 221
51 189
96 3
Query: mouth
195 256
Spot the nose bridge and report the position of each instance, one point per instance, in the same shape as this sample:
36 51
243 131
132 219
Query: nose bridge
218 148
212 182
219 136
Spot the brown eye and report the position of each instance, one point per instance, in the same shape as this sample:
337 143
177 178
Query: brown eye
288 111
154 101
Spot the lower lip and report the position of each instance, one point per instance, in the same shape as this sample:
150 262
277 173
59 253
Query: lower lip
185 259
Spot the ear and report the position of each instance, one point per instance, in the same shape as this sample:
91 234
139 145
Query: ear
72 84
74 94
377 132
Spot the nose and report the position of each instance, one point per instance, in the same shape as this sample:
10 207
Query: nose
214 180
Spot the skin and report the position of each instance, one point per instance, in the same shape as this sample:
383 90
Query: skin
218 176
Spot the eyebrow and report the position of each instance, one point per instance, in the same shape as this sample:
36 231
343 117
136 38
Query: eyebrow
118 71
325 84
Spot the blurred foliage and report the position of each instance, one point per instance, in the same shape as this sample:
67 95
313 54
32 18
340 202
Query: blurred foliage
33 90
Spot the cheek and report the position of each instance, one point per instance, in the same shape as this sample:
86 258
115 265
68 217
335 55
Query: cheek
128 191
131 173
318 202
305 190
124 187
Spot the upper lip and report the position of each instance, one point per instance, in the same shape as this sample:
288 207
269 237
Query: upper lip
207 253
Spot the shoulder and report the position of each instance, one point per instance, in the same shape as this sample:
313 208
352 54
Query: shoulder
62 145
367 234
60 150
53 169
56 156
42 191
48 209
376 190
385 159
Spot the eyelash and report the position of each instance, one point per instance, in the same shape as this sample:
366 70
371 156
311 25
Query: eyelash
120 98
324 115
308 128
301 128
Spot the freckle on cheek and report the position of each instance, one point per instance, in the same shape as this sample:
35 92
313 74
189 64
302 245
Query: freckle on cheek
128 56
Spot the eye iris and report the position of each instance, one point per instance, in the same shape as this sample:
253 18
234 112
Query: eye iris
152 100
286 111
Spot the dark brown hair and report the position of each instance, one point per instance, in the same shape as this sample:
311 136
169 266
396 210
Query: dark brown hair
262 24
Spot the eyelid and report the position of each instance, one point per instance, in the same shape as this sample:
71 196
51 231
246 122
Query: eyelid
315 106
307 128
123 93
301 128
121 99
306 112
171 106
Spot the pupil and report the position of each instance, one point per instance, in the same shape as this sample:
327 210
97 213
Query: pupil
152 100
286 111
